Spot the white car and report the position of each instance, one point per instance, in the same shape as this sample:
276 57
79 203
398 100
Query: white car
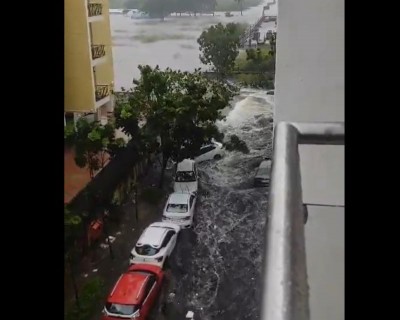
211 151
179 209
186 178
155 244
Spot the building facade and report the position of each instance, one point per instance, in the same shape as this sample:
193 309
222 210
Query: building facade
88 62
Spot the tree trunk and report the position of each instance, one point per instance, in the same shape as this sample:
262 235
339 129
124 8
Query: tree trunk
72 272
164 165
241 8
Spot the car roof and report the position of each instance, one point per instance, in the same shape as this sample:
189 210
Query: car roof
179 198
185 165
152 236
265 164
129 288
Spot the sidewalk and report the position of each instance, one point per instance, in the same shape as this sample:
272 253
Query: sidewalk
126 233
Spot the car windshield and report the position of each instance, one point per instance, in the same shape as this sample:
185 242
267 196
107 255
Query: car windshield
146 250
185 176
121 309
177 208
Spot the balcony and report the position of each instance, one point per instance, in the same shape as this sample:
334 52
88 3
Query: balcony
102 95
98 54
102 92
95 9
288 275
95 12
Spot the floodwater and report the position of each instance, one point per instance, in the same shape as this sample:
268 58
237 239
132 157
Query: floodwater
216 267
172 43
215 270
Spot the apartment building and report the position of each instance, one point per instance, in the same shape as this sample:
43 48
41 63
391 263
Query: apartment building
88 70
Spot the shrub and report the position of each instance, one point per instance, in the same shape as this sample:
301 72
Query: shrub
89 299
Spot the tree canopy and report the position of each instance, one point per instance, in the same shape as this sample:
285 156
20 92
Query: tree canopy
93 142
180 108
219 46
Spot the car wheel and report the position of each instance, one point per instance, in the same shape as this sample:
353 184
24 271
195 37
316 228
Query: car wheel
217 157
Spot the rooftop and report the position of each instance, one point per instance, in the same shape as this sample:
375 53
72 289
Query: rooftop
185 165
129 288
75 178
178 198
152 236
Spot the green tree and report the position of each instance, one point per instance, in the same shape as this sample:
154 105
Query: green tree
219 46
180 109
158 8
92 142
240 2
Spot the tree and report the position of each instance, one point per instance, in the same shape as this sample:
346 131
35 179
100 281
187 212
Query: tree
158 8
180 109
240 2
219 46
93 142
71 224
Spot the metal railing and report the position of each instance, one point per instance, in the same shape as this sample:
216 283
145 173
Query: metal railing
95 9
102 91
285 286
98 51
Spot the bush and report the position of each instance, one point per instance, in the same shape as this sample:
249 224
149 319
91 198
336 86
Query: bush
152 195
89 299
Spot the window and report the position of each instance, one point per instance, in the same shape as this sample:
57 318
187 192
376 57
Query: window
177 208
149 285
206 149
146 250
121 309
191 200
167 238
185 176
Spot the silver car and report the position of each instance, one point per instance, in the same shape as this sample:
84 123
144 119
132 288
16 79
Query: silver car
263 174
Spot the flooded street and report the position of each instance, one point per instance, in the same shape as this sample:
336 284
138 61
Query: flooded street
215 269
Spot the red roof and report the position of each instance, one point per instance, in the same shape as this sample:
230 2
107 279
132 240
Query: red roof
75 178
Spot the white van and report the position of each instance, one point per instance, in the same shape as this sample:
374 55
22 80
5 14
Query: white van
186 178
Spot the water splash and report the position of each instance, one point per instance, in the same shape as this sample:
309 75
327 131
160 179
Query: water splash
217 265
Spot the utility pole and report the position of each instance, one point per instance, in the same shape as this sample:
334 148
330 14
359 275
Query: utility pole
107 236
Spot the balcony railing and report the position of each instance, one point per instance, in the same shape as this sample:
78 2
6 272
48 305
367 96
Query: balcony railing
98 51
102 91
95 9
285 287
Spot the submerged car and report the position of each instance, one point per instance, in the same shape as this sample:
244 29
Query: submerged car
186 177
134 294
179 209
263 174
211 151
155 244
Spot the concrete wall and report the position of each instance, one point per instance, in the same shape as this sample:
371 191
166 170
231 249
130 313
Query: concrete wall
78 75
310 87
102 35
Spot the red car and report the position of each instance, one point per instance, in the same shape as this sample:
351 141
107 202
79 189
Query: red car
134 293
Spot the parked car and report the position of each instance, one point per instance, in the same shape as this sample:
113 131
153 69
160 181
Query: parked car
179 209
263 174
134 293
186 177
213 150
155 244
